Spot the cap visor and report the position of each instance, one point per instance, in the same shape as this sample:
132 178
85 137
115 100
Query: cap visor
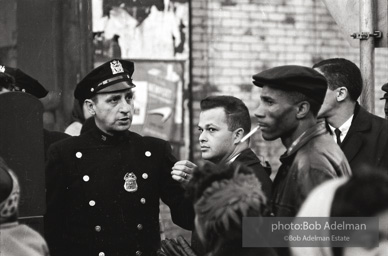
121 86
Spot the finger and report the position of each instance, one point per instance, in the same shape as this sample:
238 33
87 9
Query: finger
177 173
185 163
190 164
178 167
177 178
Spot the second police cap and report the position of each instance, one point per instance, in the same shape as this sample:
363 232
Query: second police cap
294 78
385 89
24 82
106 79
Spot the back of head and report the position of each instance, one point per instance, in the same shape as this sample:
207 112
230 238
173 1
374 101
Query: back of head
341 72
364 195
225 195
236 111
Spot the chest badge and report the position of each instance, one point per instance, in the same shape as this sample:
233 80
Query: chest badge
130 184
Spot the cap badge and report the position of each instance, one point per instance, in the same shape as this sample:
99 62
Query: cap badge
2 69
130 184
116 67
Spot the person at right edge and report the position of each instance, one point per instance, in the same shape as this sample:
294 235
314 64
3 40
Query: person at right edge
362 136
291 97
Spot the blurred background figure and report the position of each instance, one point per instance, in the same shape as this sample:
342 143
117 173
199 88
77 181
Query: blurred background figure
78 117
362 195
222 196
15 238
14 79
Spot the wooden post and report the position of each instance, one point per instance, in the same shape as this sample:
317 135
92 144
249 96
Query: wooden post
367 53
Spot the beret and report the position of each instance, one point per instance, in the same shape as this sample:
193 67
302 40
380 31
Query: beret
24 82
106 79
294 78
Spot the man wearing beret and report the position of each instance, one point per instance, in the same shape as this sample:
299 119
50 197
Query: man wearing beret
104 186
385 97
362 136
290 100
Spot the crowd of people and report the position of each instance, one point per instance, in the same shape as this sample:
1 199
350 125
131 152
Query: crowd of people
104 183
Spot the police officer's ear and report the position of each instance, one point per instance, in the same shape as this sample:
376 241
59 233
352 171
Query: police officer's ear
238 134
90 106
303 108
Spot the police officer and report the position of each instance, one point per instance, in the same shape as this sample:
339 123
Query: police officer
104 186
20 81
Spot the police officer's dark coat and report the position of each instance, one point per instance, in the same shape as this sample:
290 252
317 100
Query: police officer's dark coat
88 210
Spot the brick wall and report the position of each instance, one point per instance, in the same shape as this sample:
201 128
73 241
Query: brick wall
234 39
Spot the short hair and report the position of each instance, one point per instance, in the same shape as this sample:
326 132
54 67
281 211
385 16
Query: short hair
364 195
341 72
7 81
357 197
237 113
297 97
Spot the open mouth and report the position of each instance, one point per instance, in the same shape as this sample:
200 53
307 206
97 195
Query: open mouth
124 119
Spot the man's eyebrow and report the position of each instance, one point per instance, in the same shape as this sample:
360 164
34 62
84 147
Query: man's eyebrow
208 125
266 97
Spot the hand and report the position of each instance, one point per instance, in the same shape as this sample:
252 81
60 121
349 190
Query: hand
182 171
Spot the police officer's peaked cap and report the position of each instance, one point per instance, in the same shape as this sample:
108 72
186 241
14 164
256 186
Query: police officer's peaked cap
294 78
106 79
25 82
385 89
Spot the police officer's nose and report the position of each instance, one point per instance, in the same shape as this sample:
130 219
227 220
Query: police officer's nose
125 106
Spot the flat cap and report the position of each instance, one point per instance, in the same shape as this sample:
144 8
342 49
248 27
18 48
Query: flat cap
294 78
385 89
24 82
106 79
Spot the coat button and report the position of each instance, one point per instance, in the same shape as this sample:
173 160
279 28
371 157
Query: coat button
97 228
147 153
86 178
139 226
101 254
78 155
143 201
138 253
145 176
92 203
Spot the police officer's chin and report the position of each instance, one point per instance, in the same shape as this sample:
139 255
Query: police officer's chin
122 127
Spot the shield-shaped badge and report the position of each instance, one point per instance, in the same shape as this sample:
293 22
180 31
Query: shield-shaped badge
130 184
116 67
